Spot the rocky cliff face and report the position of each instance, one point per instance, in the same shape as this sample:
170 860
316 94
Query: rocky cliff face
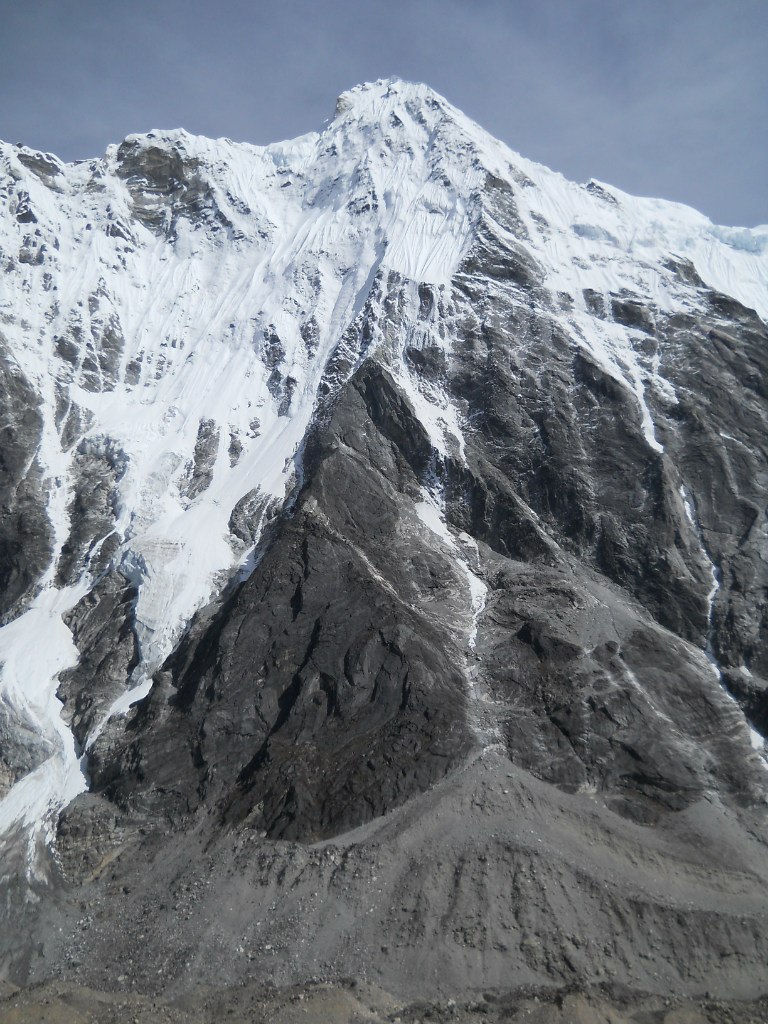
393 511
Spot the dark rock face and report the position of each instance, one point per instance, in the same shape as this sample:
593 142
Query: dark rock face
337 681
602 716
103 629
717 435
25 533
87 835
364 704
21 747
568 437
165 186
200 469
98 465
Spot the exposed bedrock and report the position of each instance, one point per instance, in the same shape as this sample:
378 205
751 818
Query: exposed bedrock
327 690
102 625
716 434
98 464
566 437
199 471
338 680
165 184
684 530
22 748
26 539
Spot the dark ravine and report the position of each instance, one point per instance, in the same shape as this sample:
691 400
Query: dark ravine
479 717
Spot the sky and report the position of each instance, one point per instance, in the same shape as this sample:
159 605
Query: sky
665 99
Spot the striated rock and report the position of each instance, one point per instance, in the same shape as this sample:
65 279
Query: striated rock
167 185
25 530
103 629
98 465
199 471
22 748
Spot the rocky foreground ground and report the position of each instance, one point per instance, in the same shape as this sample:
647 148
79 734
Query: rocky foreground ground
354 1003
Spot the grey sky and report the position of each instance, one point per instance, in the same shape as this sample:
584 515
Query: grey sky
660 98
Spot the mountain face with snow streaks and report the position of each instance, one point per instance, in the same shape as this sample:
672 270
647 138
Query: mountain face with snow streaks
365 480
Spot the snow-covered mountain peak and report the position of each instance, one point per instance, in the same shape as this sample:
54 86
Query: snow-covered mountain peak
371 100
372 462
180 308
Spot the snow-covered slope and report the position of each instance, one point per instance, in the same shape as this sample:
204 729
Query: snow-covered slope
185 308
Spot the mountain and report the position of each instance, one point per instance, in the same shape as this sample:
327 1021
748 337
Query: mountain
384 568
